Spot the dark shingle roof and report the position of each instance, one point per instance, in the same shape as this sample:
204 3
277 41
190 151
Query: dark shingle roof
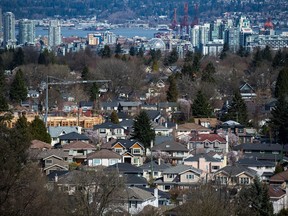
106 125
255 162
125 168
156 166
132 179
103 153
153 114
73 136
170 146
79 145
236 170
259 147
181 168
198 156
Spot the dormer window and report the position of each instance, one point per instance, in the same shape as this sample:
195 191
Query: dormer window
206 144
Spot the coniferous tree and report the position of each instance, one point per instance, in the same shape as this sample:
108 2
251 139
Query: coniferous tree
142 129
18 57
18 90
255 200
208 73
196 63
39 130
172 92
278 59
279 120
238 110
3 102
188 56
114 117
94 92
85 73
257 58
201 106
23 129
187 69
132 51
281 88
118 49
140 52
173 56
266 53
105 52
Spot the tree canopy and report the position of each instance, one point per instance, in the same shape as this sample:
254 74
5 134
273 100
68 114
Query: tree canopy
172 92
142 129
18 90
201 106
39 130
114 117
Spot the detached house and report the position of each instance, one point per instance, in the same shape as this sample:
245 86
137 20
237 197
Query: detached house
103 157
72 137
132 151
235 175
109 130
180 176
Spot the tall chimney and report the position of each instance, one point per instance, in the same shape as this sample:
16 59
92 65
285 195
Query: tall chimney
156 196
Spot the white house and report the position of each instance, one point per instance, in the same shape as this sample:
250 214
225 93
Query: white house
103 157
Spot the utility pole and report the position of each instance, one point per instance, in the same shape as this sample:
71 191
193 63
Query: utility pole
64 82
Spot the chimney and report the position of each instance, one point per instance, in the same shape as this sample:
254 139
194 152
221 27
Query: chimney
159 161
56 178
151 144
166 125
156 196
176 126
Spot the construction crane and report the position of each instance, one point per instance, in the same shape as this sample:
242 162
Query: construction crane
185 23
195 20
64 82
174 21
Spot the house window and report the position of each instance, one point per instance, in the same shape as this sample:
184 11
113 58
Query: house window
118 131
48 162
96 162
206 144
216 144
133 204
136 160
223 179
244 180
215 167
170 176
136 151
118 150
275 152
102 130
167 187
113 161
155 173
190 176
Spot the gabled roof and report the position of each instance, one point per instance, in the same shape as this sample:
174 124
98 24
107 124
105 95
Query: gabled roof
253 162
208 137
155 165
86 103
78 145
139 194
107 125
73 136
127 143
125 168
103 154
51 176
126 123
57 131
61 165
132 179
161 194
153 114
280 177
276 192
167 104
109 104
37 144
180 168
236 170
170 146
57 152
198 156
191 126
129 104
259 147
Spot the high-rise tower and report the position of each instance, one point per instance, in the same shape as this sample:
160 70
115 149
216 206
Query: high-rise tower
9 29
54 33
26 31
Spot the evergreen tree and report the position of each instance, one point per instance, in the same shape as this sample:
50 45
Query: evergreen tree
85 73
142 129
118 49
224 51
257 58
114 117
140 52
255 199
155 54
281 88
39 131
242 52
94 92
23 129
196 64
18 57
278 168
208 73
189 56
279 120
105 52
3 102
278 59
238 110
187 69
132 51
42 59
173 57
266 53
201 106
18 90
172 92
155 66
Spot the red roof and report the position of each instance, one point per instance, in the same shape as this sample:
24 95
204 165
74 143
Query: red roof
78 145
276 192
280 177
208 137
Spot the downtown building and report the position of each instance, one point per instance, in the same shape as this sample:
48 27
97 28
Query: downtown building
9 38
54 34
26 32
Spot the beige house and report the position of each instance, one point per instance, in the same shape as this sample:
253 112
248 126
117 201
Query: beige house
235 175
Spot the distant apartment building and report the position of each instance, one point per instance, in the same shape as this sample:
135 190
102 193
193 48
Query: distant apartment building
9 29
94 39
26 32
54 33
109 38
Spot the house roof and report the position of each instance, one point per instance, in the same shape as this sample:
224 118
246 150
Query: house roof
153 114
253 162
51 176
276 192
127 143
280 177
161 194
86 103
167 104
126 123
110 104
180 168
155 165
235 170
103 154
192 126
161 139
73 136
78 145
212 121
49 152
205 156
37 144
170 146
208 137
259 147
132 179
271 157
57 131
108 145
136 193
107 125
129 104
125 168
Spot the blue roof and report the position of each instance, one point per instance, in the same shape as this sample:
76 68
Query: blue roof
73 136
106 125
